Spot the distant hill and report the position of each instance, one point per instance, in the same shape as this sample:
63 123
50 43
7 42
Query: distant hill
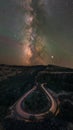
48 67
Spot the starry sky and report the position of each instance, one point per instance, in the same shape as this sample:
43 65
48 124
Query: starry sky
34 32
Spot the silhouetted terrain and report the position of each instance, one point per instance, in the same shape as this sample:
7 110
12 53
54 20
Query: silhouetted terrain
16 80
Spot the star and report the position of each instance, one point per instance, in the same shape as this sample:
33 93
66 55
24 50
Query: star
52 57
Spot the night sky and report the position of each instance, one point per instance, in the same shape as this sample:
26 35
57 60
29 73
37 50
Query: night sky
34 32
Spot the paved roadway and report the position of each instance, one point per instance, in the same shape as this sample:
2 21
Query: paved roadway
54 104
60 72
25 115
19 113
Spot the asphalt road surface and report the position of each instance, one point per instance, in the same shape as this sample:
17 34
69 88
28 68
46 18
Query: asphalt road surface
19 113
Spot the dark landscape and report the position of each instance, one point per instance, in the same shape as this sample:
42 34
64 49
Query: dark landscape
15 81
36 64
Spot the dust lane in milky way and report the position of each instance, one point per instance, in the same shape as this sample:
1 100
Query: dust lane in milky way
32 32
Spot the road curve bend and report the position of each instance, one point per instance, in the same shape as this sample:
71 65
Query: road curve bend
23 115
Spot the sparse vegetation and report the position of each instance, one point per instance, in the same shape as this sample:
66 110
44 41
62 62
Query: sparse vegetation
14 86
37 102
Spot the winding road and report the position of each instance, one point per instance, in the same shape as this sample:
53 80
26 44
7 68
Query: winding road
21 114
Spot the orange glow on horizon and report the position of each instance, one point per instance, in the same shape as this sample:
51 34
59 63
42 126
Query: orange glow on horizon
27 53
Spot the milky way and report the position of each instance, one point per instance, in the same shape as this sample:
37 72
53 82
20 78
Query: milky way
33 43
40 29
